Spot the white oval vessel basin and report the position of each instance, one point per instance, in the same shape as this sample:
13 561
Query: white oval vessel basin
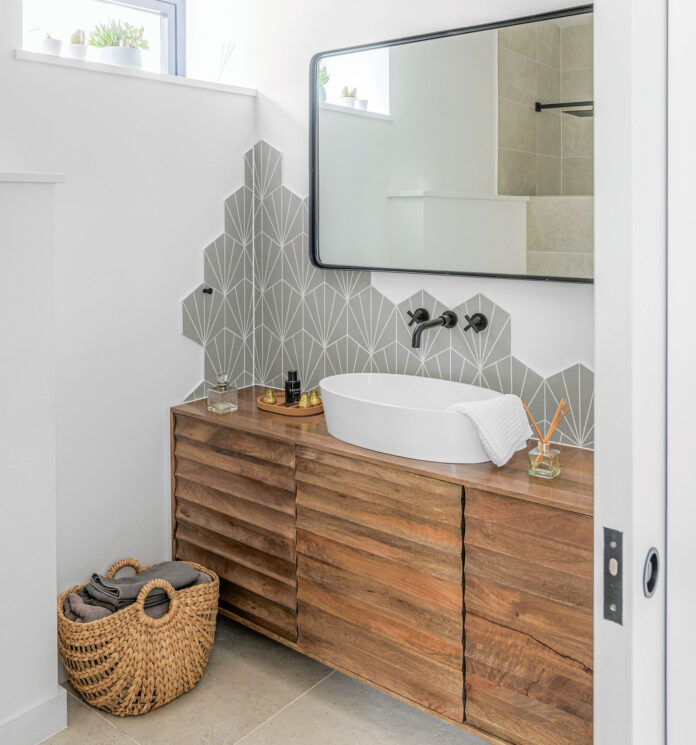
404 415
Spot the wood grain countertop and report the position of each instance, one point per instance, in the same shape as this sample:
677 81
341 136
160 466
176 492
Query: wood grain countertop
571 491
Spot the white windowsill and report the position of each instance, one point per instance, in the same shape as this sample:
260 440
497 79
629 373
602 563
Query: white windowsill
78 64
29 177
426 194
356 112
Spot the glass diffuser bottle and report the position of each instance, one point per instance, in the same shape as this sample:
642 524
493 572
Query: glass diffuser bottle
544 461
222 400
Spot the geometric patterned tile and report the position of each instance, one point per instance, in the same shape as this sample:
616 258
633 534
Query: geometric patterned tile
267 169
203 315
576 385
272 310
282 211
491 345
239 209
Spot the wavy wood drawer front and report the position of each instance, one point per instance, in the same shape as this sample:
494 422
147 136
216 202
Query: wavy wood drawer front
235 513
380 576
528 629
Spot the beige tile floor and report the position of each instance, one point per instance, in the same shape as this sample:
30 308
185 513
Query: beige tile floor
258 692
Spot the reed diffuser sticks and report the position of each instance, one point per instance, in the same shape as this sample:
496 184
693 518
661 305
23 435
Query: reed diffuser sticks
544 453
558 417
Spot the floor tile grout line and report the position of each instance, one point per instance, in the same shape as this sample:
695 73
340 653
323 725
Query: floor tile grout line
282 709
101 716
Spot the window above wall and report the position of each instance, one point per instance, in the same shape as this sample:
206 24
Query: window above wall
142 34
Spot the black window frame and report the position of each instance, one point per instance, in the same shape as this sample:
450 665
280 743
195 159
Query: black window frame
174 11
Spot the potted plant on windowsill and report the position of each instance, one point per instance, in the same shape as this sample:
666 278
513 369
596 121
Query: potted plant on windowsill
119 43
348 97
77 48
48 45
323 78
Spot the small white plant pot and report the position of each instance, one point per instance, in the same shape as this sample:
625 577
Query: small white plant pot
321 94
361 103
50 46
123 56
76 51
348 101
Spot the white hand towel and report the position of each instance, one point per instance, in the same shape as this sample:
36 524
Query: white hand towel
501 423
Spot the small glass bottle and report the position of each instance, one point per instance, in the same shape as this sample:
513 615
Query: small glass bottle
222 400
292 389
544 461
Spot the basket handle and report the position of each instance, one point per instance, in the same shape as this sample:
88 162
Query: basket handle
115 568
145 590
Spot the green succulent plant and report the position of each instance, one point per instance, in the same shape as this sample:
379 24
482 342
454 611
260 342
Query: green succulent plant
78 37
345 93
118 34
323 77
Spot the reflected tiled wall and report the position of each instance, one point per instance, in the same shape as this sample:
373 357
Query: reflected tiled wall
577 134
529 143
271 311
548 152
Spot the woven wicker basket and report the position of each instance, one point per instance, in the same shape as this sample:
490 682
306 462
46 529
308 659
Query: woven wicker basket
129 663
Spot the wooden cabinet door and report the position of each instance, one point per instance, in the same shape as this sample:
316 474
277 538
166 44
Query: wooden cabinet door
235 513
528 629
380 576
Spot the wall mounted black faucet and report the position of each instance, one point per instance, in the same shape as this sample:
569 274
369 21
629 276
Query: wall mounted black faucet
478 322
448 319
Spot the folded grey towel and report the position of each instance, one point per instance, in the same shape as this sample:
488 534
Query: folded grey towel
122 591
156 603
75 609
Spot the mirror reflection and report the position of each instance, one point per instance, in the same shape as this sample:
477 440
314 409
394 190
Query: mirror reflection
467 153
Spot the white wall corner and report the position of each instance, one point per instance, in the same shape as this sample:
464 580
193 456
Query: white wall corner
38 723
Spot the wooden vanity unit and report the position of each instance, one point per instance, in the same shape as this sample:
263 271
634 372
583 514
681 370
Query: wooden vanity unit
464 590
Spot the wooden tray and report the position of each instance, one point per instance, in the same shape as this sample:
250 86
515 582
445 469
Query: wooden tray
280 408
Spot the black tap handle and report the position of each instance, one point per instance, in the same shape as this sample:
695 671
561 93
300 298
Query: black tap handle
418 316
208 290
478 322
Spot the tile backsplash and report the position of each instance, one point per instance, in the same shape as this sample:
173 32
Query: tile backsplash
271 310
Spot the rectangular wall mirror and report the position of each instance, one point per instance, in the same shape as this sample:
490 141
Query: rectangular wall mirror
463 152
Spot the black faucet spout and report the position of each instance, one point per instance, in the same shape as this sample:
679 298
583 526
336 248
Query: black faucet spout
448 319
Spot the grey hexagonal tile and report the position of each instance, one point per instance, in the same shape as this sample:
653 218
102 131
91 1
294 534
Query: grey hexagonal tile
267 169
298 270
347 283
226 262
325 315
268 263
268 358
489 346
239 310
249 169
239 215
371 320
282 215
203 314
282 310
228 353
576 385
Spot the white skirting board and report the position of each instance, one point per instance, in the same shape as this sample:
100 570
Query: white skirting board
38 724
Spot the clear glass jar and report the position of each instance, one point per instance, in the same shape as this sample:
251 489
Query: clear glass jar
222 400
544 461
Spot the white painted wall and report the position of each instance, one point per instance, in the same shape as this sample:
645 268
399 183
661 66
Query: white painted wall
32 707
279 69
147 167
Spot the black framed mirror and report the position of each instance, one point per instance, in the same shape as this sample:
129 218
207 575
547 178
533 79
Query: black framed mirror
464 152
